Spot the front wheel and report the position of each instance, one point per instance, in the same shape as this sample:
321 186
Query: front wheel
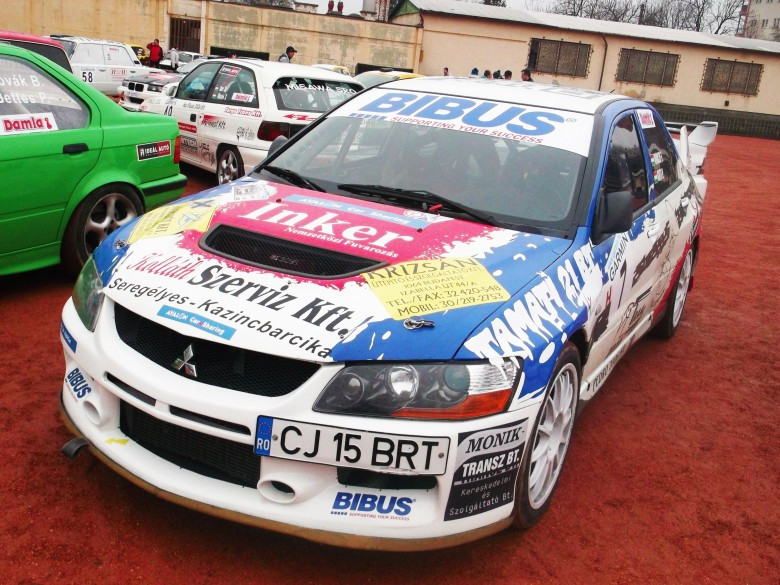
102 212
549 440
668 324
229 165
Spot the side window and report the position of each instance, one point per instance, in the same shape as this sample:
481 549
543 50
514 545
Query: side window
117 56
88 53
234 85
196 85
36 102
625 169
663 157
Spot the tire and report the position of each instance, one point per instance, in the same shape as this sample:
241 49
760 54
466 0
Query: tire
103 211
667 326
549 440
229 165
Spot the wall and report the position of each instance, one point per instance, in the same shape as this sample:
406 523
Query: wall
318 38
461 43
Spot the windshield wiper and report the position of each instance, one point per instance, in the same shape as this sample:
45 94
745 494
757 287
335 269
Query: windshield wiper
293 177
430 201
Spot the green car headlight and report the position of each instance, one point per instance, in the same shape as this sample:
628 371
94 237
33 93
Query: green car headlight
88 294
432 390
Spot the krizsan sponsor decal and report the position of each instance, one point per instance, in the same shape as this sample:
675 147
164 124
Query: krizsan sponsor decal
191 128
488 462
153 150
174 219
363 505
28 123
77 384
242 97
422 287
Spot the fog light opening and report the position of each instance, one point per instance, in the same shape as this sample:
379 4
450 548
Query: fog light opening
276 491
92 412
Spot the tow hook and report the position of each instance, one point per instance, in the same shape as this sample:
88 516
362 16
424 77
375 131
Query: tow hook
72 448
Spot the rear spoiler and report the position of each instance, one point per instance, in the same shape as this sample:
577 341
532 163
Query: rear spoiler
692 147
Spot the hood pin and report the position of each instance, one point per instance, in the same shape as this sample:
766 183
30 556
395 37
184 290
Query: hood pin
412 323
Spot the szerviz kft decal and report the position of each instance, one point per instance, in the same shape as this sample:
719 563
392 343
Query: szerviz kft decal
486 473
153 149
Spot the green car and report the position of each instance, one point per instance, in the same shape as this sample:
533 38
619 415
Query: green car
74 165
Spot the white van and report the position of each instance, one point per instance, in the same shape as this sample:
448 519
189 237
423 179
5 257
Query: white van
230 110
102 64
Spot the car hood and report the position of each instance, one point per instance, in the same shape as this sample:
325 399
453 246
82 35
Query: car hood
155 78
315 276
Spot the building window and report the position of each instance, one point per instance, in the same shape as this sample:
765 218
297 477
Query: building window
647 67
764 23
776 23
731 76
559 57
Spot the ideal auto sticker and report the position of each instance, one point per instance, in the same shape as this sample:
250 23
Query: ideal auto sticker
153 150
559 129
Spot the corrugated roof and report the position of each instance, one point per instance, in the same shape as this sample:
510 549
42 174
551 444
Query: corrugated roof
460 8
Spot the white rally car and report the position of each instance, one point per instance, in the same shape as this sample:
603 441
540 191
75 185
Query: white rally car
382 336
230 110
102 64
135 90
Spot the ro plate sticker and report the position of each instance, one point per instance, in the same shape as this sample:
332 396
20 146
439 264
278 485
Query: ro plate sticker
350 448
488 462
422 287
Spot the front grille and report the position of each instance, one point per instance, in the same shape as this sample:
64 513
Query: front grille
200 453
133 86
282 255
216 364
136 100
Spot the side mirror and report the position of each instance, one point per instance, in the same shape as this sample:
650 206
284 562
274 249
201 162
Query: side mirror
278 142
170 91
615 214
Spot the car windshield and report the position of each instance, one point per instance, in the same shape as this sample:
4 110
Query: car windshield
517 165
305 94
372 79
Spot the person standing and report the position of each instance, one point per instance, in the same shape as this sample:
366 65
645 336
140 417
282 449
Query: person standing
507 74
288 55
487 74
174 57
525 75
446 71
155 53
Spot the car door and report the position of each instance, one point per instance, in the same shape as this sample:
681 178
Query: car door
89 65
672 190
50 138
187 107
120 63
633 258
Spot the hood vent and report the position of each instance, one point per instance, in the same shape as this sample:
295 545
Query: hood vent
282 255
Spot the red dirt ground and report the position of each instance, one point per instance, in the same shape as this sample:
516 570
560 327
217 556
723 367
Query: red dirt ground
672 476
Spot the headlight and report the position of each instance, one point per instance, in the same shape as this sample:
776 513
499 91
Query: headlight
154 88
440 390
88 294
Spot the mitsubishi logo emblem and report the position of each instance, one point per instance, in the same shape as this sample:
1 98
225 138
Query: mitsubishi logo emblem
189 368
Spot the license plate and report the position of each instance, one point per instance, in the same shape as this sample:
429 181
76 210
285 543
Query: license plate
133 94
299 441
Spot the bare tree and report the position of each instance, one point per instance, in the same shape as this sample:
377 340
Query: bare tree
715 16
501 3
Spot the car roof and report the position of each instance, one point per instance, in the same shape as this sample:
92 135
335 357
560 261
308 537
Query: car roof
274 68
17 36
540 95
392 73
88 40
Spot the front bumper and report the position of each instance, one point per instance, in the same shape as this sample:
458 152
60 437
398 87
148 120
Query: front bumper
93 412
